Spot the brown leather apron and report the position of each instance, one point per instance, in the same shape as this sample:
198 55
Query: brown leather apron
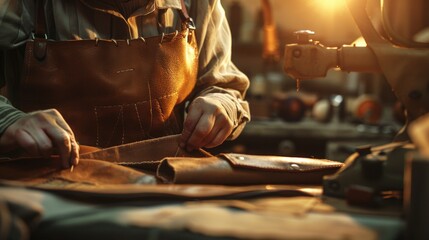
111 91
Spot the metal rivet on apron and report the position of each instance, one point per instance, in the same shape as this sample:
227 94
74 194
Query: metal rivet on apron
175 34
142 38
115 42
162 37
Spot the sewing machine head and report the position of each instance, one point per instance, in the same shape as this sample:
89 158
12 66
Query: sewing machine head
404 61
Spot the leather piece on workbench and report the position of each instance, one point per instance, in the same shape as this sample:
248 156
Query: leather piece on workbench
242 169
145 155
49 172
106 178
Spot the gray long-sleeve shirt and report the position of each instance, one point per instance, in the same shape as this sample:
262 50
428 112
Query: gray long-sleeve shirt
117 19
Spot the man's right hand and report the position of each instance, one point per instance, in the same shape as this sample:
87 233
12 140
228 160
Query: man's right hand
42 133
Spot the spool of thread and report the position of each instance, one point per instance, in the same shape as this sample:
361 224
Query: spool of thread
366 109
292 109
322 111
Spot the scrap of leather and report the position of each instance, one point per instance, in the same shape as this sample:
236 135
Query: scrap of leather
98 166
145 155
124 192
242 169
106 178
49 172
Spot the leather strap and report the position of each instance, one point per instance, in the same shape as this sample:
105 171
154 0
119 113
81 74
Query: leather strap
187 21
40 20
184 11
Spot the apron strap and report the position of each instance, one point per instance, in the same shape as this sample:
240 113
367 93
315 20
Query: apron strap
186 20
39 21
184 11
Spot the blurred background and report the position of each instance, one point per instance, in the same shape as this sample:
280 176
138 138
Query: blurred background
324 118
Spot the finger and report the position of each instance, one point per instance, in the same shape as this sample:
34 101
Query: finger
42 141
201 131
61 140
27 142
74 155
221 126
212 135
191 122
221 136
63 124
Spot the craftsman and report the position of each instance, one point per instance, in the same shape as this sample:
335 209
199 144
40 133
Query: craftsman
207 111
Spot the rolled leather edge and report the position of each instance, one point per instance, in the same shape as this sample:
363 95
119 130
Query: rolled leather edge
221 170
193 170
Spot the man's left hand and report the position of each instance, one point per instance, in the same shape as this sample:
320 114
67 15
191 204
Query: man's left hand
206 125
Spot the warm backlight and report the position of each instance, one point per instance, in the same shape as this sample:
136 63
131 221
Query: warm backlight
330 5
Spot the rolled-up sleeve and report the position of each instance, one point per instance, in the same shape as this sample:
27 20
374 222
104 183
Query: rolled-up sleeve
15 27
8 114
218 77
15 22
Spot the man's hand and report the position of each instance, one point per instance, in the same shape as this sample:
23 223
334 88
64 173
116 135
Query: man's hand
42 133
206 125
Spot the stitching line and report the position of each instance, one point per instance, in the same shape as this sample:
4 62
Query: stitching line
140 121
141 102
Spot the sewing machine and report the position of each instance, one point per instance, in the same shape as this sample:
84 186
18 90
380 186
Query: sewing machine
372 172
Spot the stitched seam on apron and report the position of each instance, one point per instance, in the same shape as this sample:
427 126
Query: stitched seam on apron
120 117
120 114
140 121
167 129
131 104
97 140
160 111
27 63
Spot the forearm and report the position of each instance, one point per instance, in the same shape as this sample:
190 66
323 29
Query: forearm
8 114
218 76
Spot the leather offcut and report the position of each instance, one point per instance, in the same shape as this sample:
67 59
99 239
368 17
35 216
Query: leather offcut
160 164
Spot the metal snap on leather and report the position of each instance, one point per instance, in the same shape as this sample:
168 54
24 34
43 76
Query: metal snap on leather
294 166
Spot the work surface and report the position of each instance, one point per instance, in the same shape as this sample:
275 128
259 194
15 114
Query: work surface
107 199
196 212
308 138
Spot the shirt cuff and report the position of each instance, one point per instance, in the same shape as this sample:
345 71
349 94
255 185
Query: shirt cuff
8 115
236 109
